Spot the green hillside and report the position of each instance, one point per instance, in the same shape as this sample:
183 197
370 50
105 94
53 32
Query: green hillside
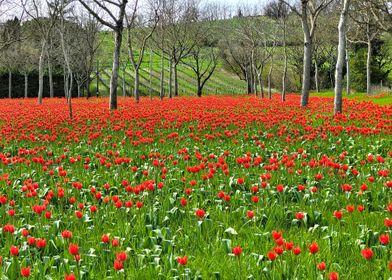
221 82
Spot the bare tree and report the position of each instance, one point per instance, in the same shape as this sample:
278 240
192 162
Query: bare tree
42 16
341 57
141 30
103 11
203 63
366 30
309 13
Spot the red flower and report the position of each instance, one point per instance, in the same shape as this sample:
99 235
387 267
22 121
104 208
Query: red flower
122 256
296 251
279 188
200 213
14 251
338 215
333 276
271 256
236 250
367 253
388 222
66 234
384 239
313 248
240 181
182 260
276 234
73 249
278 250
118 265
299 215
25 232
183 202
70 277
250 214
41 243
321 266
115 242
78 214
25 271
105 238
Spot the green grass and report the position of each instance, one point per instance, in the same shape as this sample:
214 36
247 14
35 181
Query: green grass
383 99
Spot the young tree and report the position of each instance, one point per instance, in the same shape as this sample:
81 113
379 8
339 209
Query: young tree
142 30
203 63
104 12
43 23
366 30
279 11
341 57
309 12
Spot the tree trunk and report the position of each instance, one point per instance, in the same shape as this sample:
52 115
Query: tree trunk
284 78
348 74
26 89
316 78
162 89
151 58
307 60
341 58
261 85
41 73
171 78
368 69
124 90
79 91
116 65
175 79
50 74
9 84
97 74
137 82
269 79
88 81
199 88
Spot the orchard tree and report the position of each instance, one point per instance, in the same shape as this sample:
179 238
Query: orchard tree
309 12
341 56
110 14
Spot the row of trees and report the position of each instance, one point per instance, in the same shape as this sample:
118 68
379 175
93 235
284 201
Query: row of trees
283 45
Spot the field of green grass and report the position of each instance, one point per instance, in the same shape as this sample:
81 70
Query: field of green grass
380 99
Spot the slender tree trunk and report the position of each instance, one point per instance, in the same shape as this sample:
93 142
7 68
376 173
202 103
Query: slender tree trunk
348 74
116 65
137 81
368 69
9 84
162 89
175 79
97 74
171 78
151 58
66 81
88 87
338 102
260 85
124 90
26 88
50 74
79 91
284 78
41 72
316 76
270 79
307 57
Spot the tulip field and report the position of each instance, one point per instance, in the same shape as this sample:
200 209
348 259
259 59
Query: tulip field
195 188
